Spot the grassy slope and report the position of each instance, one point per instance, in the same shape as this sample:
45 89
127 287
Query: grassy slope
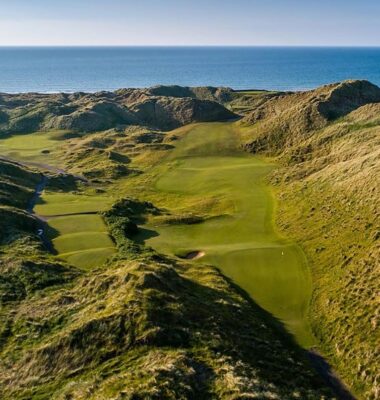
337 226
25 267
329 200
143 327
150 329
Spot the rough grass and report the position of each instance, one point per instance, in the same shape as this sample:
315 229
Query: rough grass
142 327
150 329
159 328
17 184
329 203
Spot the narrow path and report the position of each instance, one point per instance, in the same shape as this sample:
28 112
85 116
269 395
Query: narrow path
37 193
41 232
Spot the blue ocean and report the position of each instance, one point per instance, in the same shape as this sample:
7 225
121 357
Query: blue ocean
91 69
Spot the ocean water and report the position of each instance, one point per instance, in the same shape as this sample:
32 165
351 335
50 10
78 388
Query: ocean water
90 69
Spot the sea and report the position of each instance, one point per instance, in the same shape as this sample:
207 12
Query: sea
92 69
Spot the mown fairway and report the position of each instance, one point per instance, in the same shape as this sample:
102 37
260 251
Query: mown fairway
207 166
78 234
38 147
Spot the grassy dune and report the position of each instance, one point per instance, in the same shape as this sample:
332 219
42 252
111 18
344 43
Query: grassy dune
209 176
328 143
148 325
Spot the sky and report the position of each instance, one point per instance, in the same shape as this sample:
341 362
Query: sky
190 22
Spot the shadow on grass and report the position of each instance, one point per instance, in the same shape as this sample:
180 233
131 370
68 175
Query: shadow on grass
249 338
143 235
329 376
311 358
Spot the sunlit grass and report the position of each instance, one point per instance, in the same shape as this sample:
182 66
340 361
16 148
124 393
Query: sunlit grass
208 175
69 203
38 147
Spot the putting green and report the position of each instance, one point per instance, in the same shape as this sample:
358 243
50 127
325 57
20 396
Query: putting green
38 147
208 163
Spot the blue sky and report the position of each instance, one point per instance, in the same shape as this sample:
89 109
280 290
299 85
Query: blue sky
190 22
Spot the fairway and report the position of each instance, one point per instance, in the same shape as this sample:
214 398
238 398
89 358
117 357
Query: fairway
39 147
51 204
77 232
208 163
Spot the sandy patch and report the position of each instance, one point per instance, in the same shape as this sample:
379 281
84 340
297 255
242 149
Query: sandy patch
194 255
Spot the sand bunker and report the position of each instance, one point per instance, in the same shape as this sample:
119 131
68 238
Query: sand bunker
194 255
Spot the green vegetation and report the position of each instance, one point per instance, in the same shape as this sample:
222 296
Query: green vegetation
16 184
150 329
244 101
143 326
130 305
77 232
41 147
328 194
90 258
253 92
68 223
52 204
208 166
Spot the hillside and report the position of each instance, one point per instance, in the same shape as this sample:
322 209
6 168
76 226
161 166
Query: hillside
159 107
305 112
328 144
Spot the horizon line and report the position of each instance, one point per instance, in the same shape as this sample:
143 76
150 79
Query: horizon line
188 46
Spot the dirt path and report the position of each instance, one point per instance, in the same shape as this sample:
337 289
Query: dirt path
41 231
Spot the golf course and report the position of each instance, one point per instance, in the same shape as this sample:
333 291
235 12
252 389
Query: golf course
208 170
208 176
77 232
157 228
